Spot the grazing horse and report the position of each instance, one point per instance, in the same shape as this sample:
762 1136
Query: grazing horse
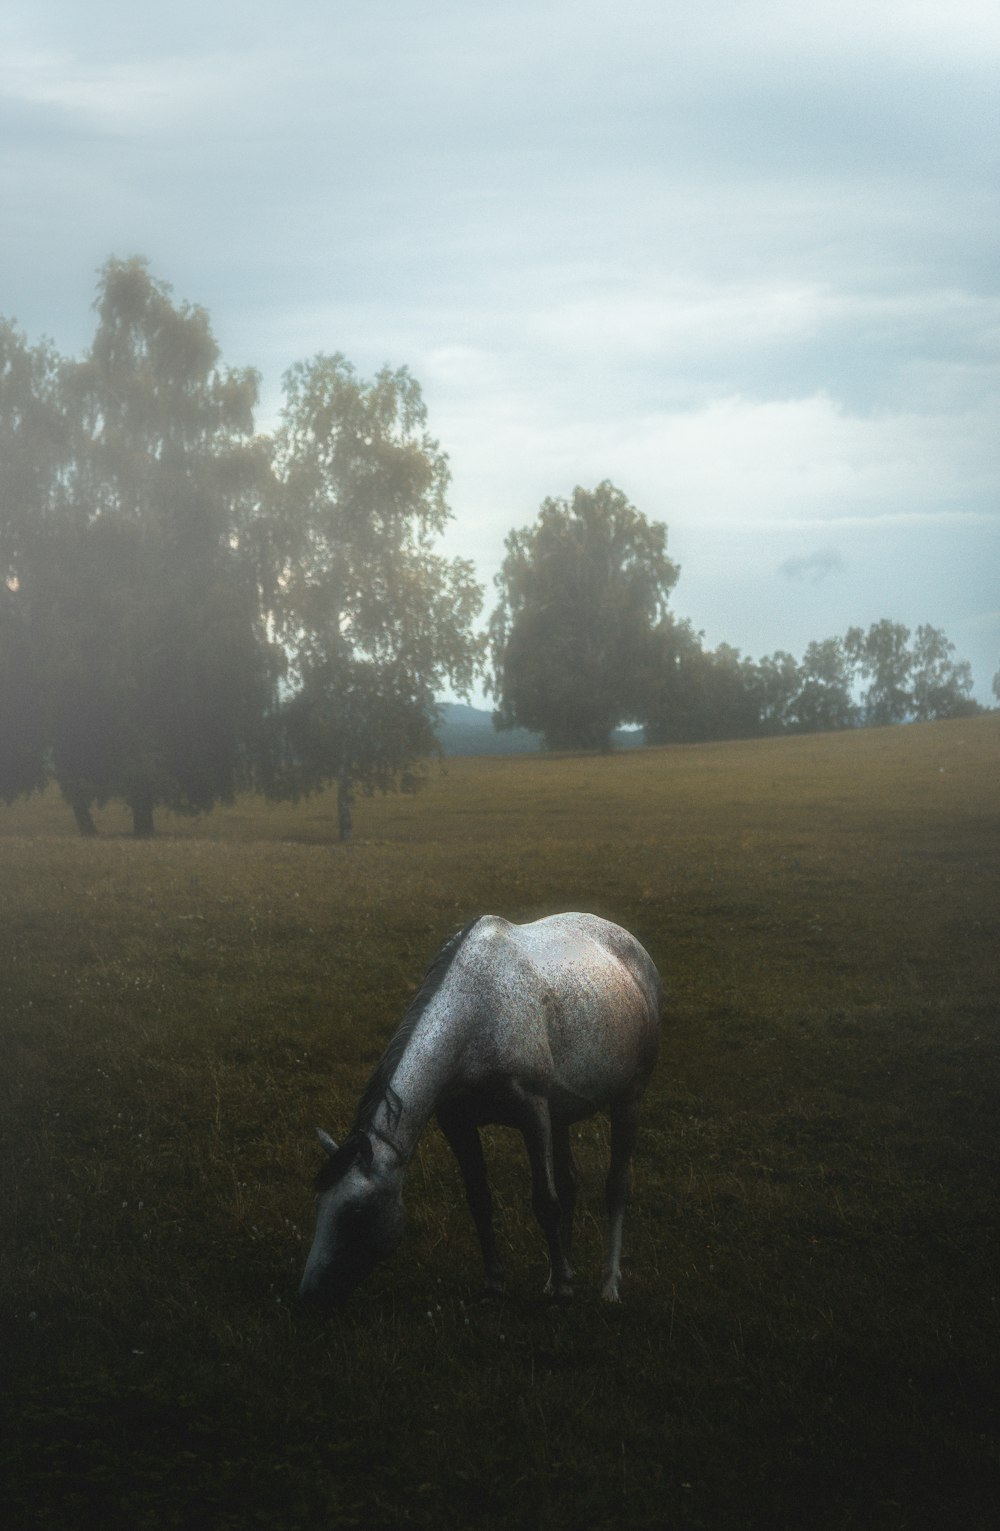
531 1026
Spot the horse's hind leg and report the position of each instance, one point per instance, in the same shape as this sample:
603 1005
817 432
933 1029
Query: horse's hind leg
564 1166
535 1122
624 1131
463 1139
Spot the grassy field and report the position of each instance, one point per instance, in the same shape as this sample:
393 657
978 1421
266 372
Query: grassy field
809 1335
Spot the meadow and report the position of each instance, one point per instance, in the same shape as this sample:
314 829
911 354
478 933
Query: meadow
809 1334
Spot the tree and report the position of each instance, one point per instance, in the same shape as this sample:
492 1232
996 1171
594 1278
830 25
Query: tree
941 688
701 694
673 710
136 564
574 636
33 462
777 681
374 621
23 712
881 657
922 682
172 480
824 701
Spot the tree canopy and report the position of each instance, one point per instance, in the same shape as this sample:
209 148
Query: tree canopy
873 677
34 456
131 586
573 637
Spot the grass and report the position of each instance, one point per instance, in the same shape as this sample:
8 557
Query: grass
809 1334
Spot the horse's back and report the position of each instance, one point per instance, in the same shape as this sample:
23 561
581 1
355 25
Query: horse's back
575 1003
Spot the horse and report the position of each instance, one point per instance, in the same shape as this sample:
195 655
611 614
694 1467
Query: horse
532 1026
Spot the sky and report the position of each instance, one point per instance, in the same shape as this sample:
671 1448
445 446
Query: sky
738 257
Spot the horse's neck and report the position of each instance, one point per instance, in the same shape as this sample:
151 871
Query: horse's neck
424 1071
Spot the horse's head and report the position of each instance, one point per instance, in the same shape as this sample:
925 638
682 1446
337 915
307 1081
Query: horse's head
359 1220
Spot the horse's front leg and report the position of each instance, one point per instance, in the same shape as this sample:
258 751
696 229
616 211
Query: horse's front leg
624 1131
463 1139
535 1122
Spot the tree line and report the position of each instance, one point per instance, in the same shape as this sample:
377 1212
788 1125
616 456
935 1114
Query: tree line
189 608
583 641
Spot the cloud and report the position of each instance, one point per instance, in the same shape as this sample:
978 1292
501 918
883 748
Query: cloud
810 461
813 567
118 97
743 262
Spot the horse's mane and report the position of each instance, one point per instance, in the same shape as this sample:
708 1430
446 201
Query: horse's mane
357 1144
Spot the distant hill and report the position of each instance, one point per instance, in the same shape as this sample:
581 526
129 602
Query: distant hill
465 730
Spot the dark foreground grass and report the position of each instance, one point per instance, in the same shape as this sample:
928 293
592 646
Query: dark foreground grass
809 1334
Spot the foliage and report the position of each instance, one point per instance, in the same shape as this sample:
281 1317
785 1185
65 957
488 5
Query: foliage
34 449
130 557
23 716
34 455
921 681
696 694
574 635
880 656
940 687
825 701
373 619
776 684
699 694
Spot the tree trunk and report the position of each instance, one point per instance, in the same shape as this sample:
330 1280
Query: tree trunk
81 813
345 800
141 804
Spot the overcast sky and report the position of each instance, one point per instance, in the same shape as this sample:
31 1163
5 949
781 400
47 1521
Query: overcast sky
738 256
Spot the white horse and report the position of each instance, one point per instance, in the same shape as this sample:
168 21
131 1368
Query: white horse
532 1026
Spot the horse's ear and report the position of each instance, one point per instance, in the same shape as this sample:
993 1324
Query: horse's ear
326 1141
